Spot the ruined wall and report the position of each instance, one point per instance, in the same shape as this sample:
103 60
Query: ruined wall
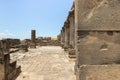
98 37
8 68
47 41
13 42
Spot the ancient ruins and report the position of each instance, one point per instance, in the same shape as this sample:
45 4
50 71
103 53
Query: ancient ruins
68 34
90 36
97 39
8 68
33 37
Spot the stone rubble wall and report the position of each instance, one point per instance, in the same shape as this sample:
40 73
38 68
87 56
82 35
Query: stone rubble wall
8 67
47 41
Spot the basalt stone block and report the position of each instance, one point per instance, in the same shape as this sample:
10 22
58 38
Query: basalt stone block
97 14
99 72
8 69
2 72
98 48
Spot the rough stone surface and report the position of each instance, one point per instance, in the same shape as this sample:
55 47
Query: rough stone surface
98 29
99 48
8 68
13 42
47 41
99 72
97 14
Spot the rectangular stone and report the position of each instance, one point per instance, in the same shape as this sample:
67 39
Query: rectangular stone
97 14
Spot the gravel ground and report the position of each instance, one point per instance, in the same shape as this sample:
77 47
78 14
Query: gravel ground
45 63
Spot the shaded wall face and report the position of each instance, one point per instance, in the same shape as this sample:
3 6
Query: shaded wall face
96 47
68 34
97 14
2 74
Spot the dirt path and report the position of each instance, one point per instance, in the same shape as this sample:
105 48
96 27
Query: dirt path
46 63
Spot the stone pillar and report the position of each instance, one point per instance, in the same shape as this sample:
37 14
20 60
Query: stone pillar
63 36
67 35
33 39
71 19
8 68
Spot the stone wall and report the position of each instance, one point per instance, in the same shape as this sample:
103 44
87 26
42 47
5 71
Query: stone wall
98 31
13 42
8 67
97 14
47 41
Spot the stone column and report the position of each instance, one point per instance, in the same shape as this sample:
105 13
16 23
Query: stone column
33 39
65 43
71 19
67 34
63 33
61 38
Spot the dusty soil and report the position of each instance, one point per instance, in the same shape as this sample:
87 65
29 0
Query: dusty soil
45 63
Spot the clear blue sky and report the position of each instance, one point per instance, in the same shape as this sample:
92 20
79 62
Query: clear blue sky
18 17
